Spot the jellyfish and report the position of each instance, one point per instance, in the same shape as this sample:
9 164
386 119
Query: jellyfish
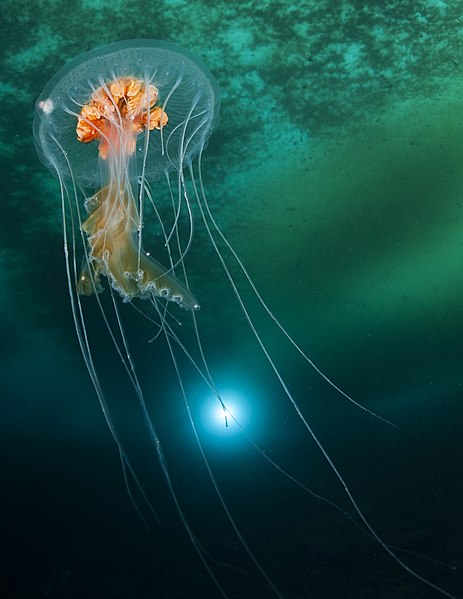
123 128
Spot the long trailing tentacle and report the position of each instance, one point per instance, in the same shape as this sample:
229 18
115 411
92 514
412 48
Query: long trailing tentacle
211 225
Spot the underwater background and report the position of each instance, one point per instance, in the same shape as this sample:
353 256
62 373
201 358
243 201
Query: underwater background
336 172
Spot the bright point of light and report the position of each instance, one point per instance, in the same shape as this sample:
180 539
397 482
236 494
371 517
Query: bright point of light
224 420
226 415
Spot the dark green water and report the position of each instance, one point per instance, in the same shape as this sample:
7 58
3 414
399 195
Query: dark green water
336 173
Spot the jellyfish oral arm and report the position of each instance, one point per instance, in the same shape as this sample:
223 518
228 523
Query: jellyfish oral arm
114 253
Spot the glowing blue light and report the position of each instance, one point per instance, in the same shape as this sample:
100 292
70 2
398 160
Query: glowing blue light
224 421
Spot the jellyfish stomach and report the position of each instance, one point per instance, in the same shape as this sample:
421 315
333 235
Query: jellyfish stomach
112 227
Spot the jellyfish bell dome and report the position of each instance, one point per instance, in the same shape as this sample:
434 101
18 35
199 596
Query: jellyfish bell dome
185 91
108 124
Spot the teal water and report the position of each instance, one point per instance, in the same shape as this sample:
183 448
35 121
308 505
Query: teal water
335 172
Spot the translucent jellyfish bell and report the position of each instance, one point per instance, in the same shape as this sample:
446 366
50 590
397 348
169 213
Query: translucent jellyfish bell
108 124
